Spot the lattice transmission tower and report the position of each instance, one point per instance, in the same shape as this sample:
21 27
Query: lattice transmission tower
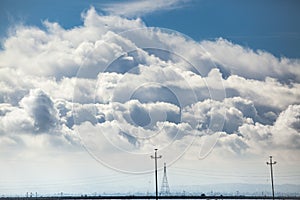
165 189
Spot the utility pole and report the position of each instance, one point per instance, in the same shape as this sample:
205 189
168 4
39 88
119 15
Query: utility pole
271 163
155 157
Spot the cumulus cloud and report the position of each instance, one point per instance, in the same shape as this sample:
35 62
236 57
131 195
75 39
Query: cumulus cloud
122 87
286 127
15 120
35 122
40 107
250 64
267 93
233 143
256 137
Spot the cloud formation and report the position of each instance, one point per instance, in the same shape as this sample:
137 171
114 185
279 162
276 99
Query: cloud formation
124 88
250 64
41 109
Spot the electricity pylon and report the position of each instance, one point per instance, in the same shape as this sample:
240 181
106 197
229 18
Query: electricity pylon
165 189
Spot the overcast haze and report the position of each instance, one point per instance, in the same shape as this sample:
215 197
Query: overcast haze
83 105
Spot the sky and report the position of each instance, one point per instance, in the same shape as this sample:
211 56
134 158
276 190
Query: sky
90 88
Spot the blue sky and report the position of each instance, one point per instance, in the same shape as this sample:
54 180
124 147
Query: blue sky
269 25
90 88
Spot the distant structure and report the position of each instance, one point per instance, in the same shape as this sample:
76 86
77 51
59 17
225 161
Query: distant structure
165 189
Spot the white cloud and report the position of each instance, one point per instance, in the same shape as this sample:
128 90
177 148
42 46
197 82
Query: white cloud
35 123
109 22
41 108
15 120
249 64
268 92
287 127
135 8
233 143
282 135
